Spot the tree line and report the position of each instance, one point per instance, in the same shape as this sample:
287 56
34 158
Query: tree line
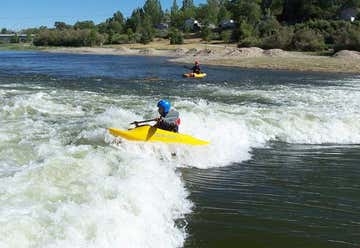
302 25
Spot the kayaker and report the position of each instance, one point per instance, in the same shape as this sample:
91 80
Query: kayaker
196 68
169 119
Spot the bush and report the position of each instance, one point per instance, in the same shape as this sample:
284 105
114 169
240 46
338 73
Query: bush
250 42
120 39
69 37
245 31
328 29
15 39
227 36
308 40
281 39
206 34
135 38
268 27
176 37
146 36
348 39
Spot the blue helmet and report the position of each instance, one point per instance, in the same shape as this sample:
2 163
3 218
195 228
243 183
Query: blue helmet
165 105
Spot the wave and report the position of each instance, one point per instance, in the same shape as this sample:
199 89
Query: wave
63 182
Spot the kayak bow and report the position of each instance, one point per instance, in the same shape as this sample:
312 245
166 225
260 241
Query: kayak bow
153 134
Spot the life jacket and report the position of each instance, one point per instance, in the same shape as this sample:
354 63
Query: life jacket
170 122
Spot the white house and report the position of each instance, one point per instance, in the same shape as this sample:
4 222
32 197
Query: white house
227 24
349 14
192 24
6 38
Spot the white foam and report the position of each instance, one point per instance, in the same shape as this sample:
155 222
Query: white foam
56 192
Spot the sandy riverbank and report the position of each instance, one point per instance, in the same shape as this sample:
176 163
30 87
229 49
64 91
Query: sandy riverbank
230 55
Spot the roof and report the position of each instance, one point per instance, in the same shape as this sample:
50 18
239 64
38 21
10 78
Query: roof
11 35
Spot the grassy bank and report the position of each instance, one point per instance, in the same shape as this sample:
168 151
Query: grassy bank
19 47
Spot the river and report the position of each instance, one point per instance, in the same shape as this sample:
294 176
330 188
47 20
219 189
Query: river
282 169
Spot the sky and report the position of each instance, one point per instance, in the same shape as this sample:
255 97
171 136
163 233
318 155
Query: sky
20 14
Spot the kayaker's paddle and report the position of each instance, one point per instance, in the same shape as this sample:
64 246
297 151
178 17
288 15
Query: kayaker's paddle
187 67
140 122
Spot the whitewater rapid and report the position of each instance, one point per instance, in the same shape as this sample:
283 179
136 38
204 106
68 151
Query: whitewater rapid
64 182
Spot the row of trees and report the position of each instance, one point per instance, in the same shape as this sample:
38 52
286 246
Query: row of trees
287 24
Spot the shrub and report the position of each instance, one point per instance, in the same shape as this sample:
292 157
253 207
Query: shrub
15 39
120 39
268 27
348 39
281 39
135 38
227 36
250 42
245 31
146 36
308 40
69 37
206 34
176 37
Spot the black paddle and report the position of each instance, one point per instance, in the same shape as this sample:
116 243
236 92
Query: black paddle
187 67
140 122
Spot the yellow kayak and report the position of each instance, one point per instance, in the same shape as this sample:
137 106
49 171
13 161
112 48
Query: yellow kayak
153 134
195 75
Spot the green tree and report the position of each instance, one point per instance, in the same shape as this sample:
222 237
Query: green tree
176 17
226 35
135 20
62 26
5 31
188 9
84 25
115 24
213 11
268 26
282 39
206 33
308 40
147 31
348 38
29 38
176 37
188 4
246 30
224 14
15 39
174 8
351 4
247 10
92 38
152 8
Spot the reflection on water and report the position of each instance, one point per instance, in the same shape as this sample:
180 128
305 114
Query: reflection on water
285 196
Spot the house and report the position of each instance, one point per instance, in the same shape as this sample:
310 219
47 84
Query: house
211 26
227 24
349 14
162 26
6 38
192 25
